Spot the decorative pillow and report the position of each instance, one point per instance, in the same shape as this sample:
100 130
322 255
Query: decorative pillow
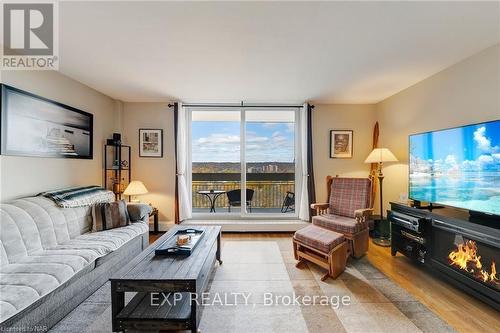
138 211
109 215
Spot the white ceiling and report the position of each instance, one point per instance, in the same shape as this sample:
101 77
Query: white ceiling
326 52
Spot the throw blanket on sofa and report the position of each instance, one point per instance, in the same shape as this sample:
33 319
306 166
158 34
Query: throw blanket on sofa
79 196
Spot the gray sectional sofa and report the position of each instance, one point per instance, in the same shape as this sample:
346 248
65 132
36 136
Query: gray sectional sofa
50 261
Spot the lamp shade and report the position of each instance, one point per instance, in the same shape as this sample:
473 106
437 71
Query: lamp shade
135 187
379 155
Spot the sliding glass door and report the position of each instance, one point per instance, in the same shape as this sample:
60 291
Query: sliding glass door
269 156
215 156
243 162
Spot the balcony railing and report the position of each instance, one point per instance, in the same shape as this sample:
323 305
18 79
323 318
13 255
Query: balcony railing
270 188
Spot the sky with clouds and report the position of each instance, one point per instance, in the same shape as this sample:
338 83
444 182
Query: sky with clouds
469 147
219 141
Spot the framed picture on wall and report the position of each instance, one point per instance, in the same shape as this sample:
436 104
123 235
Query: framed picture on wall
32 125
150 142
341 143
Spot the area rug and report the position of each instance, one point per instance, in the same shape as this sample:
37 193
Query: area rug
259 289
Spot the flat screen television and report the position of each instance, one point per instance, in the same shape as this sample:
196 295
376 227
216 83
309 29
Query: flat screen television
458 167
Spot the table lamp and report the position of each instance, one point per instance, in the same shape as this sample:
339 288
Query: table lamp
381 155
135 188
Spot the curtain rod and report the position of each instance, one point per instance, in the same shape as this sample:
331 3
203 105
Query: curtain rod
239 106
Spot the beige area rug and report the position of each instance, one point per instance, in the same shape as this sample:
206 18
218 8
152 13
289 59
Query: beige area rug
261 277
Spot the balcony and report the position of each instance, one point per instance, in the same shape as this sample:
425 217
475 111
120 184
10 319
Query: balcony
270 191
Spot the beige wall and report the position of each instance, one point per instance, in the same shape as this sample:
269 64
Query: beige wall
157 174
21 176
360 119
468 92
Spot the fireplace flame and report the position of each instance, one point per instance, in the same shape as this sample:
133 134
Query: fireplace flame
465 258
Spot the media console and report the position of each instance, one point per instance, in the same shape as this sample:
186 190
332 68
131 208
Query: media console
459 248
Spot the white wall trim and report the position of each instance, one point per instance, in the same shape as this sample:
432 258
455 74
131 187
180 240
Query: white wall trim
252 225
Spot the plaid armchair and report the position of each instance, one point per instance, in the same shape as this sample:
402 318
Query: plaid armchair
347 211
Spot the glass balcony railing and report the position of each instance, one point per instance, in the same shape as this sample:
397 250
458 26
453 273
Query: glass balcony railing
270 191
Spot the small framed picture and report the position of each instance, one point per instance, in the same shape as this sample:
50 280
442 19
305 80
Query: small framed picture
150 142
341 143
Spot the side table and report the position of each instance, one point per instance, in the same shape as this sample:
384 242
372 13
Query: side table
154 213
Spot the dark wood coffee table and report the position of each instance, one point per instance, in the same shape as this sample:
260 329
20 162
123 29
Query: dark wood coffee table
171 276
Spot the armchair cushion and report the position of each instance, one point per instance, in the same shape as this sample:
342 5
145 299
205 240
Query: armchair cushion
348 195
338 223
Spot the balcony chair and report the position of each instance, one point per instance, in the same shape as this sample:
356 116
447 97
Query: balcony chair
234 199
347 211
288 203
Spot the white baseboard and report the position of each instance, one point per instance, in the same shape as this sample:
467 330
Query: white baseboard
240 225
252 225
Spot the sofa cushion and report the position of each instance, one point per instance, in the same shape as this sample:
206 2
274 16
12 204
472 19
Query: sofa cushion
89 255
76 220
75 261
35 223
20 290
338 223
42 283
50 221
20 234
97 248
4 260
59 271
109 215
114 238
319 238
14 298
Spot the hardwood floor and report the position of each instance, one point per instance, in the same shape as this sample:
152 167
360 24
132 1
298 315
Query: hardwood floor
458 309
463 312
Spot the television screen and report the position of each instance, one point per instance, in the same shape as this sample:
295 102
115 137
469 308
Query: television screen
458 167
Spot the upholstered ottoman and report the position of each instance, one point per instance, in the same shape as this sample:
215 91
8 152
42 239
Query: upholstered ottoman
323 247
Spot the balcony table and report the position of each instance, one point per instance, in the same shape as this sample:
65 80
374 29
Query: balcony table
212 196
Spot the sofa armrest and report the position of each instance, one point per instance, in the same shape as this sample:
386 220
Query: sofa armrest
139 212
321 208
362 215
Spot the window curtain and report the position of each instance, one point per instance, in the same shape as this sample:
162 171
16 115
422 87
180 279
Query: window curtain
311 190
374 166
304 210
183 205
176 196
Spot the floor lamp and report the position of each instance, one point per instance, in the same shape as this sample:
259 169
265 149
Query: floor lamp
381 155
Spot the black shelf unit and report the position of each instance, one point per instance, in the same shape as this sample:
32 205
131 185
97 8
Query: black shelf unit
117 168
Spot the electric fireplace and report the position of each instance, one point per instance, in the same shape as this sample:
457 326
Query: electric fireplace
469 256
